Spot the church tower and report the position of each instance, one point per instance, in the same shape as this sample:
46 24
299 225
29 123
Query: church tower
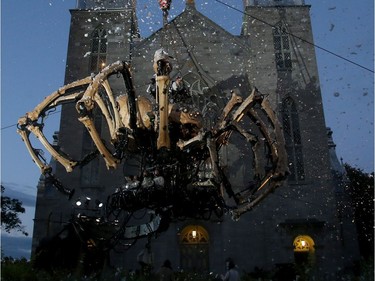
101 32
283 65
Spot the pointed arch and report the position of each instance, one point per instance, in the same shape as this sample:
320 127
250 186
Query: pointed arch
98 49
281 44
293 141
194 248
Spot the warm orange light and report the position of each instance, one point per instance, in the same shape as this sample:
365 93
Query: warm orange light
303 243
194 233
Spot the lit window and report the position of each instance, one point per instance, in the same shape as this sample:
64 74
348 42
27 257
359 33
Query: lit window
304 250
301 244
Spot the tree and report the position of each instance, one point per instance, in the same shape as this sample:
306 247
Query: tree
361 191
10 210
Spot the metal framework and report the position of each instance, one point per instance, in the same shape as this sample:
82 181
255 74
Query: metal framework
185 193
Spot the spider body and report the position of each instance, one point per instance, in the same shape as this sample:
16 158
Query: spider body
171 139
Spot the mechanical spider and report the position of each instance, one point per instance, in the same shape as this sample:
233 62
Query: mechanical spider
173 139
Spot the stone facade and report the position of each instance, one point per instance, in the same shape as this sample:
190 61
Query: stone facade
213 62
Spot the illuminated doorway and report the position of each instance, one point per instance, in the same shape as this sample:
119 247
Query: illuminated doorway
194 249
304 250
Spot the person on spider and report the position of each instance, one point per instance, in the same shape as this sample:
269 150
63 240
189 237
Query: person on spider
166 272
158 179
179 91
147 181
151 89
232 273
162 65
131 182
134 182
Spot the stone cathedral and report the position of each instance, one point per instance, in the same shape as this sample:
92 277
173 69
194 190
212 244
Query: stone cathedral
304 221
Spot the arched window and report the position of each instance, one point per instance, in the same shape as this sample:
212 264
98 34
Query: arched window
303 243
194 249
303 249
98 50
282 47
293 142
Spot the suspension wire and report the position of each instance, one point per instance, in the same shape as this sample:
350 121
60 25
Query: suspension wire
165 26
298 37
164 7
169 36
14 125
192 57
9 126
174 49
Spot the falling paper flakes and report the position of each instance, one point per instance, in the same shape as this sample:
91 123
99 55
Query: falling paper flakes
336 94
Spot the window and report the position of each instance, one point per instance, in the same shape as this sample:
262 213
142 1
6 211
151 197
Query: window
292 140
303 249
282 47
98 50
194 249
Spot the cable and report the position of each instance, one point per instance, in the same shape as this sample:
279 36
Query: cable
14 125
295 36
7 127
208 80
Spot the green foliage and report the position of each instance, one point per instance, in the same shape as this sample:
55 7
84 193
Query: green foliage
361 191
10 209
17 270
367 269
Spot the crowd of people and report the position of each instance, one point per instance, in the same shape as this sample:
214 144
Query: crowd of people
166 272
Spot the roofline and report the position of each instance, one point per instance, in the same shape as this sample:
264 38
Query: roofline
191 8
